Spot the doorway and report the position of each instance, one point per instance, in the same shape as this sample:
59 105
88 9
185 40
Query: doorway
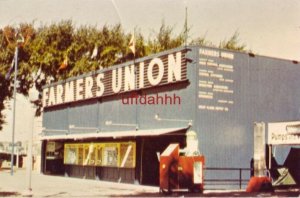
150 149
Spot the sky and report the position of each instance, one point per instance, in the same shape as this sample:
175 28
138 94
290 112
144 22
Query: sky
267 27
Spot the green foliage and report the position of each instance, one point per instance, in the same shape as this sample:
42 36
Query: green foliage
164 40
45 48
233 43
202 41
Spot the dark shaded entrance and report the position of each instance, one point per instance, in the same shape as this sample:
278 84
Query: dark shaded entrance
52 162
150 148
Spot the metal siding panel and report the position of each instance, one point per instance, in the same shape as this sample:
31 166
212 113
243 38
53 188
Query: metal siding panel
216 128
146 113
185 111
265 89
56 118
224 137
113 110
84 115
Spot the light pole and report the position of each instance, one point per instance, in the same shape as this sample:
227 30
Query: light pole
33 96
20 41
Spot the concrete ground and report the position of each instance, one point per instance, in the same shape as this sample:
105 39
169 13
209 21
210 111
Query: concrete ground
58 186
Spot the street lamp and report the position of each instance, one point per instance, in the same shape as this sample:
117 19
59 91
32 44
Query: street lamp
20 41
33 97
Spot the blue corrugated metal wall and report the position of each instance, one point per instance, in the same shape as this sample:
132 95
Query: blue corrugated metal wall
263 89
56 118
84 114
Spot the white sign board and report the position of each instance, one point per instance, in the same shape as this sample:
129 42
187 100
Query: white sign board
284 133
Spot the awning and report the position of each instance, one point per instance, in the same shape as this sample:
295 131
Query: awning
113 134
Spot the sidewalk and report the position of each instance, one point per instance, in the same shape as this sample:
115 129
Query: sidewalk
58 186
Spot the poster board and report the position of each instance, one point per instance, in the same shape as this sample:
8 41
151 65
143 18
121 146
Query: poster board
70 154
106 154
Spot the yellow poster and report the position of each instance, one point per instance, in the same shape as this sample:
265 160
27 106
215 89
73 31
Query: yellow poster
112 154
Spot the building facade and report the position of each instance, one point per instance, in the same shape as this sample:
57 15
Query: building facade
112 124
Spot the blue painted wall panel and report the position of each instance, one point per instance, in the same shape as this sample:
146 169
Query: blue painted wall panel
84 114
57 118
258 89
113 110
264 89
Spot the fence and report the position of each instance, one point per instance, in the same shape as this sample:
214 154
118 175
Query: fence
240 180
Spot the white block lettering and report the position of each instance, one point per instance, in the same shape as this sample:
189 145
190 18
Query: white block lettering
59 94
159 63
129 81
88 87
141 83
51 96
174 67
45 97
69 91
100 85
79 89
116 86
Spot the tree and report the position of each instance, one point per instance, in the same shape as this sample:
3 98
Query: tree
164 40
202 41
233 43
82 49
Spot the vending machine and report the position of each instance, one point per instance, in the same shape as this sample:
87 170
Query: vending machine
182 169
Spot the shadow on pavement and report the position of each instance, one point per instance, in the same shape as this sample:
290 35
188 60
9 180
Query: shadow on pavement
214 194
9 194
56 195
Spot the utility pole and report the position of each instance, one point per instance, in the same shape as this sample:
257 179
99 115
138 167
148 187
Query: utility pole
185 28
